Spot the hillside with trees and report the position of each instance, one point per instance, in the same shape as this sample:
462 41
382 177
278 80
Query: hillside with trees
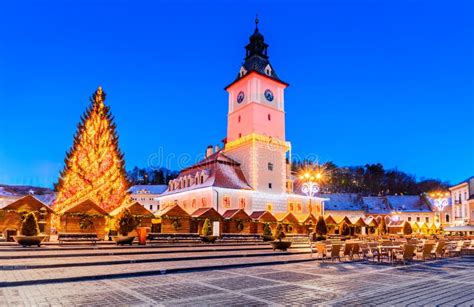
370 179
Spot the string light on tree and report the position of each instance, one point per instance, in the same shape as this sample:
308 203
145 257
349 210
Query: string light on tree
94 167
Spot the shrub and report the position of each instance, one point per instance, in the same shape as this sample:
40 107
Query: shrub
321 228
279 233
267 231
126 222
407 230
29 225
206 228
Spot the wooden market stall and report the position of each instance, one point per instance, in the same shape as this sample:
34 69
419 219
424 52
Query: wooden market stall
10 216
137 210
83 217
358 226
260 218
395 227
201 214
306 223
175 219
289 221
237 221
372 225
331 225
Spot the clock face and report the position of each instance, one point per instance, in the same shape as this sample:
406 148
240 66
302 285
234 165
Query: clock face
268 95
240 97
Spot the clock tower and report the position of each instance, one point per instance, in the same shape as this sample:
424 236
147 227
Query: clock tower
256 120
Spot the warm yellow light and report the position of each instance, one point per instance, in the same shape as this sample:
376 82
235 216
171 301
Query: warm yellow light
307 175
318 176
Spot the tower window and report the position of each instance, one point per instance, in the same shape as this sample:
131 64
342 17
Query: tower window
239 118
447 218
270 166
240 135
269 185
269 117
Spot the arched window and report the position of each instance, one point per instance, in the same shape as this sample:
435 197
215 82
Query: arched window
447 218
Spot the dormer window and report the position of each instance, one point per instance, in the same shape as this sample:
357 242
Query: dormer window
242 72
268 70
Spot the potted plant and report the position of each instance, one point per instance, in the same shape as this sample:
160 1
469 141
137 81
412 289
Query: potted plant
407 230
267 233
29 231
278 243
321 229
124 224
206 232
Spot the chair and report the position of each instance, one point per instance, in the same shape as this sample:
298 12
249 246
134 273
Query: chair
407 254
347 250
364 249
356 250
439 250
373 251
457 250
320 251
335 252
426 251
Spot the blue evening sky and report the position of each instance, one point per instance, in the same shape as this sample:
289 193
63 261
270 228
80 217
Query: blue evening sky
371 81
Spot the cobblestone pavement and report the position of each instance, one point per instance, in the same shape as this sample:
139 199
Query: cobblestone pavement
442 282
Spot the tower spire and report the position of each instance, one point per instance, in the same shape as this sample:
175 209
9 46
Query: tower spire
256 21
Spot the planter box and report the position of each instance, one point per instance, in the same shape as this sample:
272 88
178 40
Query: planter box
281 245
209 239
123 240
29 240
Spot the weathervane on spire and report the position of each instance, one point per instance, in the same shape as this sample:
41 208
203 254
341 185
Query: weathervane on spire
256 21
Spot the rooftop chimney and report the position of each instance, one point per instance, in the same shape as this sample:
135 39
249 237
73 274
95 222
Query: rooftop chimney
208 151
217 148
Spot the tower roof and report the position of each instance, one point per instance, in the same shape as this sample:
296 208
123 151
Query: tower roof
256 57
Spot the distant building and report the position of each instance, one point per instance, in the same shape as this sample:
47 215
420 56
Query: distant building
147 195
462 196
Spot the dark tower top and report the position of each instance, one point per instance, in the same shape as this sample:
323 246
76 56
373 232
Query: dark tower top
256 57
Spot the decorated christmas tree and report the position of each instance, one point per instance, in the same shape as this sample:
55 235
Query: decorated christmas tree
94 167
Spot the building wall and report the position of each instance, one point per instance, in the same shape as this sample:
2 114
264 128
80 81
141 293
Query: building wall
149 201
462 211
255 108
263 162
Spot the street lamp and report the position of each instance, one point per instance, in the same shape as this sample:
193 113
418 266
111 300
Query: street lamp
440 202
310 185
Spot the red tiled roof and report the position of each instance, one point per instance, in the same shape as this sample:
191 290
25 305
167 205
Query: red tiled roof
229 213
257 214
221 170
206 212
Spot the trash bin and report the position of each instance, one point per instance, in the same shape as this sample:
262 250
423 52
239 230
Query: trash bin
142 232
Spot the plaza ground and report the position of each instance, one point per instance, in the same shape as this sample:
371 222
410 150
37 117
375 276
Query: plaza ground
229 274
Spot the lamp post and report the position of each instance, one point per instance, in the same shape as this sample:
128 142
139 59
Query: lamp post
310 185
440 202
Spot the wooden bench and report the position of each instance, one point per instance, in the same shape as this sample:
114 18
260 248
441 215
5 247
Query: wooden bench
77 237
173 237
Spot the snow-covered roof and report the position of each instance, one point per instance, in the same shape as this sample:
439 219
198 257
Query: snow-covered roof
408 203
343 202
377 205
148 189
